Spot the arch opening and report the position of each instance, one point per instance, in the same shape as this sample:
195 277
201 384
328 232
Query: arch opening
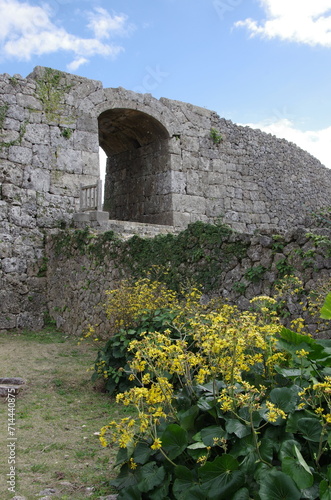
137 182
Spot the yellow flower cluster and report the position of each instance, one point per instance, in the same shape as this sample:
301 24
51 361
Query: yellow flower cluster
274 412
130 301
317 395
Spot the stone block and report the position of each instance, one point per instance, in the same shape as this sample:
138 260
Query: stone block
37 134
28 101
190 204
98 216
36 179
14 265
20 154
86 141
178 182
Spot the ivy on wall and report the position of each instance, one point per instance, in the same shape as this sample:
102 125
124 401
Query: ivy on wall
198 254
51 90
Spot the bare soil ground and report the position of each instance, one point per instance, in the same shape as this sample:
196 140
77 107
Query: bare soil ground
58 413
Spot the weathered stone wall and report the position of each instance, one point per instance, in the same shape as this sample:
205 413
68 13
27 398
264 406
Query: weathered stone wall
163 168
77 279
47 149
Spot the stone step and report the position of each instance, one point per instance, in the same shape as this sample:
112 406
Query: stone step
100 222
12 383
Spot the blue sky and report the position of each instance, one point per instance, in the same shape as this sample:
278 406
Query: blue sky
265 63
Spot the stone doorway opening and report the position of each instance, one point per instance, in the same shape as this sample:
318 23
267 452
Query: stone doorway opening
138 173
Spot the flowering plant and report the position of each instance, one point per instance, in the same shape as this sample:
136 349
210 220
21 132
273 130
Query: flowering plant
234 406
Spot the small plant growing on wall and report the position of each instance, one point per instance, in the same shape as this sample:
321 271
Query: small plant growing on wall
66 133
215 136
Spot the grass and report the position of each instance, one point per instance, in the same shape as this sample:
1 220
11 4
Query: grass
58 413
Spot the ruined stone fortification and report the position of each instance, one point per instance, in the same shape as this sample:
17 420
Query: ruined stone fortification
163 168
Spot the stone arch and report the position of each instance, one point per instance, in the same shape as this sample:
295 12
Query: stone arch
138 173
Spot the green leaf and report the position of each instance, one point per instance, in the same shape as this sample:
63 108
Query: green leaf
296 338
287 449
311 429
243 446
142 453
311 493
220 478
233 426
174 440
287 372
326 309
284 398
187 418
267 449
209 433
191 493
293 419
248 465
130 493
122 456
255 416
242 494
185 487
149 476
297 472
325 490
127 477
278 486
161 491
196 446
302 461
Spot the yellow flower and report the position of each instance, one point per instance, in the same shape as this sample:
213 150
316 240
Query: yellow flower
301 353
157 444
132 464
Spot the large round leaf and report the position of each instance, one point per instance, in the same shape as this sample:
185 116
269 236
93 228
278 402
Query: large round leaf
130 493
284 398
242 494
325 490
187 418
142 453
326 309
185 485
300 475
311 429
234 426
212 433
174 440
278 486
149 476
220 478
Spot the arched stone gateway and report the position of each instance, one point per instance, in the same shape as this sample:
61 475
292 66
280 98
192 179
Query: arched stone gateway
137 186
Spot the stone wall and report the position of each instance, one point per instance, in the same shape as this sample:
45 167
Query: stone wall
46 150
163 168
239 267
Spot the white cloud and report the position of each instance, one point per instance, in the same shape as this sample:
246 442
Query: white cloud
77 63
104 24
316 142
293 20
27 30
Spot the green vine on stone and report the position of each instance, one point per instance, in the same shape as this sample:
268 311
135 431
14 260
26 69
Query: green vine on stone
51 91
215 136
16 141
3 113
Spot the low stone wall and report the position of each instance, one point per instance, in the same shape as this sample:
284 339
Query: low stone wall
82 266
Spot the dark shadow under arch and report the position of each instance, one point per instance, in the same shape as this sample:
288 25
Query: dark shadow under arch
124 129
138 176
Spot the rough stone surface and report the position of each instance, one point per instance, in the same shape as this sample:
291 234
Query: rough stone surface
163 169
